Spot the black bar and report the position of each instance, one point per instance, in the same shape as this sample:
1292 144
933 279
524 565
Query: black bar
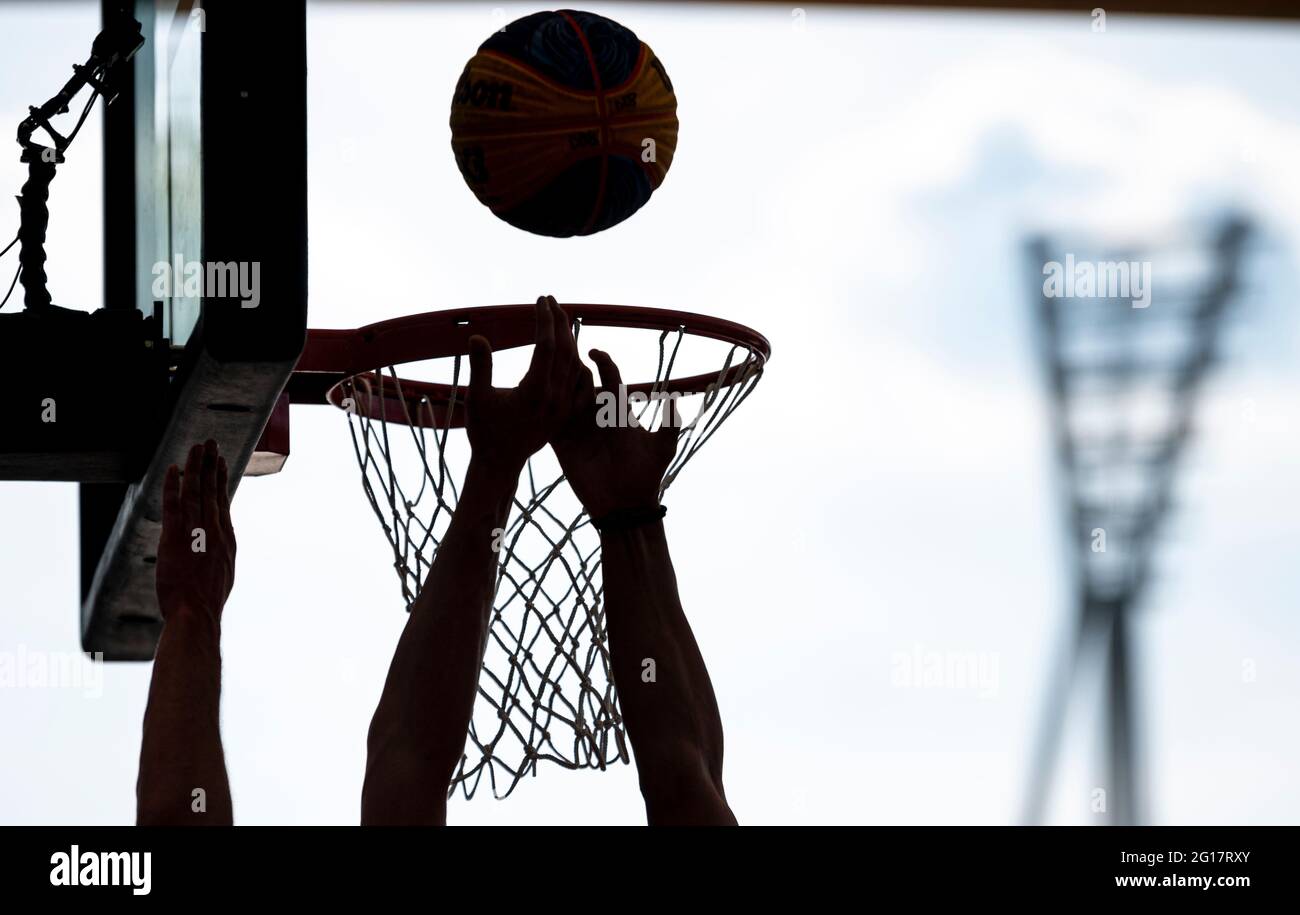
981 865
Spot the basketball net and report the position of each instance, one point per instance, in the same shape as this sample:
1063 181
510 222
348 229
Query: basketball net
545 692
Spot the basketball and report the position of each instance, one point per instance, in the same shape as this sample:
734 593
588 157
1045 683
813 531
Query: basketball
564 123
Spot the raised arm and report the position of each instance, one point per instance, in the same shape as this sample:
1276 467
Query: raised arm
667 699
182 778
419 730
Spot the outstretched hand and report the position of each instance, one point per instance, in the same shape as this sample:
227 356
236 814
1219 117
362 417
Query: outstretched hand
196 550
620 466
506 426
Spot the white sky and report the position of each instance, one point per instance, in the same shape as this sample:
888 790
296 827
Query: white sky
858 191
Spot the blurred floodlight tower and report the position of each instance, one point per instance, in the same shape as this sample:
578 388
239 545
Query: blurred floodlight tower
1127 337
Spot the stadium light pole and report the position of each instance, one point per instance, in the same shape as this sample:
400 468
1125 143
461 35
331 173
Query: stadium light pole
1108 358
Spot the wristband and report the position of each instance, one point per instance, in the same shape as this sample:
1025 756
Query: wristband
622 519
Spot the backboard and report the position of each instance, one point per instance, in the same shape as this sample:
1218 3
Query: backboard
205 226
169 154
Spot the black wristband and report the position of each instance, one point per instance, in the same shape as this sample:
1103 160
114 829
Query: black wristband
623 519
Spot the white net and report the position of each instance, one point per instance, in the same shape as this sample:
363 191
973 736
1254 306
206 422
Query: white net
545 690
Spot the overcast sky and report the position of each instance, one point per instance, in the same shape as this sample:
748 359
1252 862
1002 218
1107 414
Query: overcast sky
858 186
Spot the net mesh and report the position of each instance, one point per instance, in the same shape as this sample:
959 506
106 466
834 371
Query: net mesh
545 690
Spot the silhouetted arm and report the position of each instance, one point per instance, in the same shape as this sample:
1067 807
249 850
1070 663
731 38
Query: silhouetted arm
182 779
418 733
663 686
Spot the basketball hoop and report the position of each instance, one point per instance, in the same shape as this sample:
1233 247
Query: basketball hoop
545 691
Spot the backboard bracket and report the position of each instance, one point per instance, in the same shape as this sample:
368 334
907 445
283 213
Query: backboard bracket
188 163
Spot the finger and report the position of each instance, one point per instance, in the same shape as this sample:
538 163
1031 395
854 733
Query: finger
565 341
582 412
171 502
564 371
578 406
223 502
208 500
609 374
539 369
191 488
480 366
584 389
